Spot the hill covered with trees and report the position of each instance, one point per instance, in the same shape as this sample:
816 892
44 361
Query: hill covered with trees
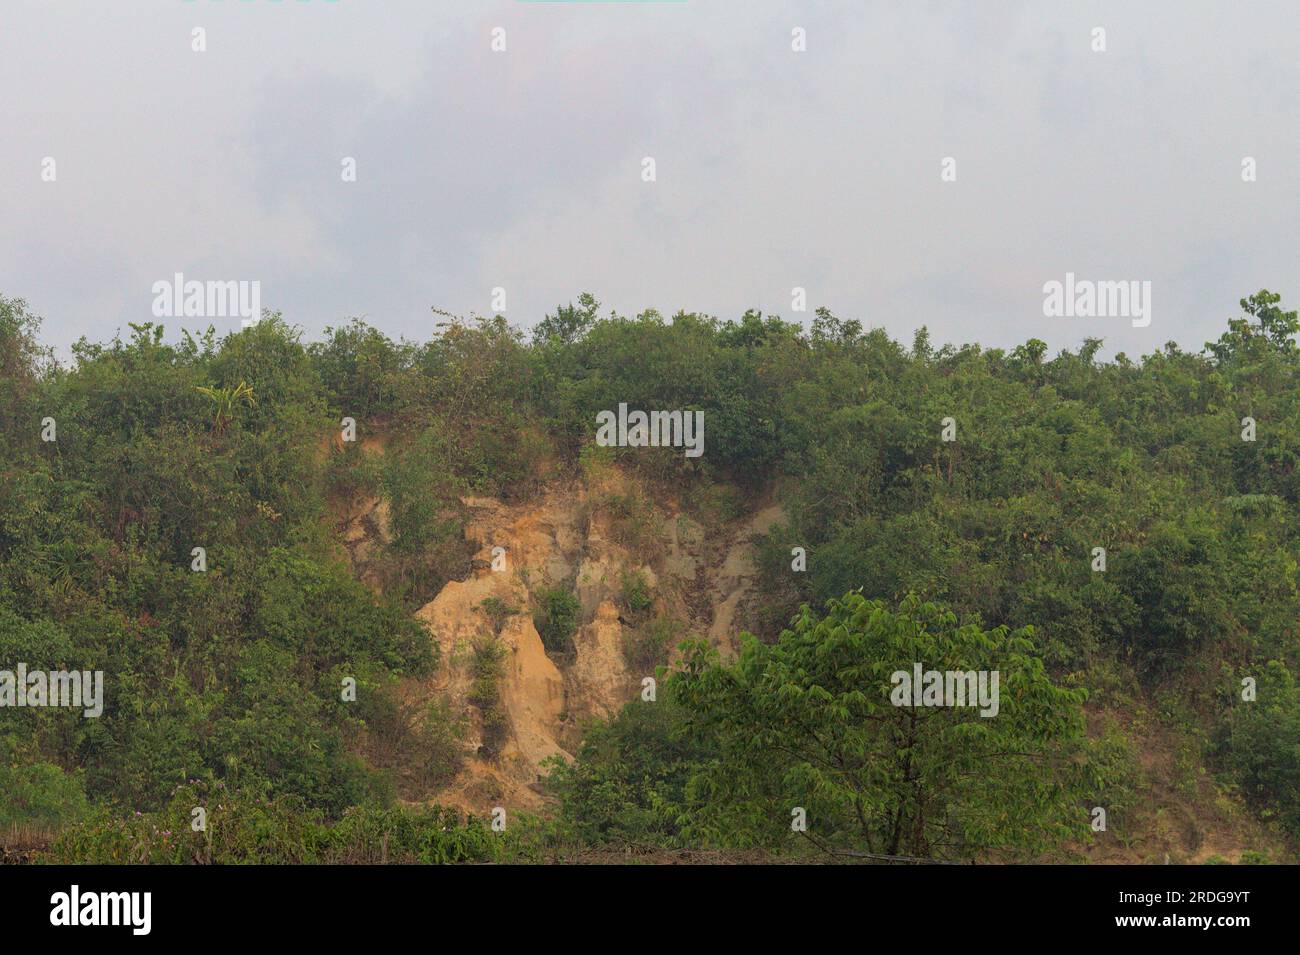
1117 538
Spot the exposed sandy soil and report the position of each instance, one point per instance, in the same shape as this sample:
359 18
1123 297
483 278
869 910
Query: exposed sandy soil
564 537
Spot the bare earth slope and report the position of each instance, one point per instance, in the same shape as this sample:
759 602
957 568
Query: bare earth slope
567 537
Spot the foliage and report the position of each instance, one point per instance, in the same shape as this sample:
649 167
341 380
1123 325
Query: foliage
232 675
628 781
242 828
556 619
636 596
1261 742
811 722
647 645
486 672
37 794
498 611
224 402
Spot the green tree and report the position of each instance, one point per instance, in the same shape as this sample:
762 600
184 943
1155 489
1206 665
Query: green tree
1261 742
808 722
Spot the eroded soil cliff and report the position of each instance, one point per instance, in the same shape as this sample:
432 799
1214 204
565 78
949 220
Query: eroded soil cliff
642 585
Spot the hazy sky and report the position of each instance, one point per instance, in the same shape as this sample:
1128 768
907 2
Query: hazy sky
775 169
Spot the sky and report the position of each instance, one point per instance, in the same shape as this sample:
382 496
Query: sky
523 169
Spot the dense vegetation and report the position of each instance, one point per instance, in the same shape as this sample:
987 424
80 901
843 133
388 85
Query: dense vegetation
983 548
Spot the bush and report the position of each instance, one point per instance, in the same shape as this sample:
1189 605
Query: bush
351 473
415 739
636 594
37 795
427 547
486 671
717 504
498 611
628 780
635 524
646 647
556 620
1262 746
242 828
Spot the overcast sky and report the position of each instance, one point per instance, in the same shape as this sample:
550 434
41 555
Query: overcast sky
775 168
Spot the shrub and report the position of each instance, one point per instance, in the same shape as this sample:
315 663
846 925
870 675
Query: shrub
498 612
636 594
486 671
635 524
38 796
646 647
415 739
243 828
351 473
556 620
1261 742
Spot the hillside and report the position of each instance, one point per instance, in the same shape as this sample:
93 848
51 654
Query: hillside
436 616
